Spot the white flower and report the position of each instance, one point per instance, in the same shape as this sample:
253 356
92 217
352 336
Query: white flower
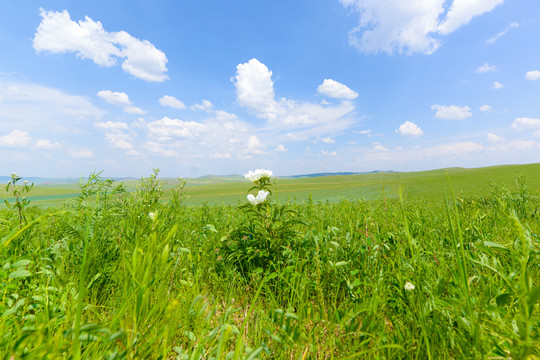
409 286
152 216
258 174
25 182
261 196
13 175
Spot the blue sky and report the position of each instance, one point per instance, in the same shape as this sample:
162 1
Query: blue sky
213 87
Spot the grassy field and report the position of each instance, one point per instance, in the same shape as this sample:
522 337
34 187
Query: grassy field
355 272
426 184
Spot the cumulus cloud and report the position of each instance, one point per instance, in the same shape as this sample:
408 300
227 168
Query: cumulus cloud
451 112
82 154
497 36
48 145
328 140
171 101
494 139
485 108
205 105
120 99
57 33
378 147
497 85
409 26
255 89
280 148
254 146
167 128
119 140
525 123
337 90
111 125
532 75
16 138
486 67
328 153
409 129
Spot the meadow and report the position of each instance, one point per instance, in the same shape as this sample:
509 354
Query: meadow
433 265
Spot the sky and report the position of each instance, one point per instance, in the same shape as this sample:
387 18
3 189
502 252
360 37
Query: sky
223 87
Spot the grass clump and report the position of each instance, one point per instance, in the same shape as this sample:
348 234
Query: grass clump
129 275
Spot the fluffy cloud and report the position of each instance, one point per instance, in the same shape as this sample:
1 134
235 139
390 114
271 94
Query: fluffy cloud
254 146
57 33
205 105
497 85
119 140
280 148
82 154
16 138
485 68
367 132
255 89
494 139
111 125
451 112
171 101
328 140
496 37
532 75
48 145
485 108
410 26
120 99
525 123
409 129
337 90
166 129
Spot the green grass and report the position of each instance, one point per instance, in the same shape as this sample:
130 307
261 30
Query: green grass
136 275
426 184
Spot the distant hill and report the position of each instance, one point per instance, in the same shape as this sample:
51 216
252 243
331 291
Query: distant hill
336 174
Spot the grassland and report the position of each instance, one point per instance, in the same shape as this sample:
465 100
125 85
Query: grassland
231 190
359 270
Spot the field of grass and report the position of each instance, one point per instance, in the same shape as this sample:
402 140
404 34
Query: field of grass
231 190
359 270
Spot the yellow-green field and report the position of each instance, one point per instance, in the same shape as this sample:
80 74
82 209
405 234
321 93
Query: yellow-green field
425 184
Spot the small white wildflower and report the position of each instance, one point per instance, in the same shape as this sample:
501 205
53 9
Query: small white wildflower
409 286
258 174
13 175
261 196
152 216
25 182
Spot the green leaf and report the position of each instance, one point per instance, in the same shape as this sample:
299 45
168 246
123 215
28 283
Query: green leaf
492 244
21 263
20 274
503 299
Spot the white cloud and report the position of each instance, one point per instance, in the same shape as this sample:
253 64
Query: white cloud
82 154
337 90
280 148
111 125
166 129
409 26
160 149
254 146
409 129
497 85
378 147
328 140
496 37
327 153
532 75
495 139
115 98
134 110
57 33
16 138
451 112
119 140
255 89
485 108
363 132
120 99
205 105
525 123
486 67
171 101
48 145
